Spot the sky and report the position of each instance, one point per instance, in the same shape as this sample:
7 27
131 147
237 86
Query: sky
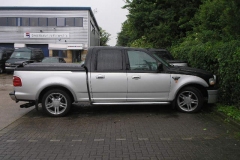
108 13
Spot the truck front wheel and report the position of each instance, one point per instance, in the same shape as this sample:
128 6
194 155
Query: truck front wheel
189 100
56 103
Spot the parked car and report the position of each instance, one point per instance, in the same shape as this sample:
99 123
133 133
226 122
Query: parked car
5 54
82 63
22 57
53 60
113 76
166 55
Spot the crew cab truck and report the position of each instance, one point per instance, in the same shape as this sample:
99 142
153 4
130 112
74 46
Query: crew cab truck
113 76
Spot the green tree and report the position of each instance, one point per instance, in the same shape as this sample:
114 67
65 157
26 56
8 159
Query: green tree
104 37
217 20
124 37
160 21
214 45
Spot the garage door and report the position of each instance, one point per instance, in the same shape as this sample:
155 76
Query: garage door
7 45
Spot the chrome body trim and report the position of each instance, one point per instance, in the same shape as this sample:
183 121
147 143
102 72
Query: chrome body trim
131 103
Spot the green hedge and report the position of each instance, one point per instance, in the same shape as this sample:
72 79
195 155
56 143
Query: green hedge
221 58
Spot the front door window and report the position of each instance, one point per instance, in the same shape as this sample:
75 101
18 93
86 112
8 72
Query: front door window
141 61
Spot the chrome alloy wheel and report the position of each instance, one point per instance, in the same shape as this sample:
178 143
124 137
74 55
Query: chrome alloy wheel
187 101
56 103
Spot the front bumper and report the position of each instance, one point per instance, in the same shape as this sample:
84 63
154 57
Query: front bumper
10 69
212 96
13 97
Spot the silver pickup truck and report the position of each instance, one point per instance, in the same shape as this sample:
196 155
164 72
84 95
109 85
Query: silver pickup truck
113 76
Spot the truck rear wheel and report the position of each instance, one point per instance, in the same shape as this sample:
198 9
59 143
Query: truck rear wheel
189 100
56 103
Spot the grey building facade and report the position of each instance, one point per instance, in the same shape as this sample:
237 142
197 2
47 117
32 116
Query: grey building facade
58 31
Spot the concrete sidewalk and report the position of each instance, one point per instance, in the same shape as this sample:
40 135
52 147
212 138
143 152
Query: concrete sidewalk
9 110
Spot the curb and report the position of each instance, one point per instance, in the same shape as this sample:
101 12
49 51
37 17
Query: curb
225 117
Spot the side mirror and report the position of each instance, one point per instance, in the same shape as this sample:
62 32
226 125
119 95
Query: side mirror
160 66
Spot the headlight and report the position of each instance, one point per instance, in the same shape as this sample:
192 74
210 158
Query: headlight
7 64
212 81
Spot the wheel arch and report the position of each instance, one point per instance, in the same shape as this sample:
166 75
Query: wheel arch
55 87
201 88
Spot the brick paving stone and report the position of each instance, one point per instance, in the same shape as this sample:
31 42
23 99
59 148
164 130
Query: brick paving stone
126 132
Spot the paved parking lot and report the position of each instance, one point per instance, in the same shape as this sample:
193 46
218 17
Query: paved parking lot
9 110
120 132
123 132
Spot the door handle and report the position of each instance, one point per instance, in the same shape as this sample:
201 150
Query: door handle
136 77
100 76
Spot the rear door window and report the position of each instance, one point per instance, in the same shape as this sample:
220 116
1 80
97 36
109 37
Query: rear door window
109 60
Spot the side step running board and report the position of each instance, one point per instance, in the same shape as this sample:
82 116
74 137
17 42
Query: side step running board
131 103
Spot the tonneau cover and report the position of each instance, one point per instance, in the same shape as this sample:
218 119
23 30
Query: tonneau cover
51 67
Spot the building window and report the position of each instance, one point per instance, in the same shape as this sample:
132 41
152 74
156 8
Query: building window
33 21
12 21
70 22
59 53
52 21
42 21
3 21
25 21
60 22
79 22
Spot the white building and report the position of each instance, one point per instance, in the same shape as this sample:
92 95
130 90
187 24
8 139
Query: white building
58 31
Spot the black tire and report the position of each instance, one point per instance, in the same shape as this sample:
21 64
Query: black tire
1 70
189 99
56 103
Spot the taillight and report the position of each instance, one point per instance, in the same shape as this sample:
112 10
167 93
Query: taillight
17 82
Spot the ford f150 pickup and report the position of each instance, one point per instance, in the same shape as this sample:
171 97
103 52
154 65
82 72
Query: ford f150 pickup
113 76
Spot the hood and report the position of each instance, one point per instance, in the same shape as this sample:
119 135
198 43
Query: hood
191 71
16 60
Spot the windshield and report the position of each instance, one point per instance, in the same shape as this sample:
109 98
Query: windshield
162 60
21 55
